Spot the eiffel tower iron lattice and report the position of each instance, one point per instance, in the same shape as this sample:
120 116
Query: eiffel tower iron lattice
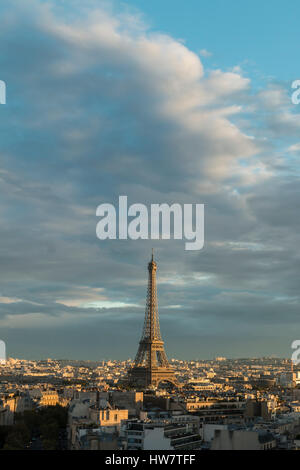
151 365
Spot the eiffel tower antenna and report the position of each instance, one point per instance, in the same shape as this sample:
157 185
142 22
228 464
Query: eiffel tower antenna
151 365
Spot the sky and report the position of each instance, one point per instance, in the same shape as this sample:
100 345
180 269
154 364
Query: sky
165 102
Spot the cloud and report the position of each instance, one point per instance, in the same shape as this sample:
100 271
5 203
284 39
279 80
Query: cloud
294 148
8 300
99 105
205 53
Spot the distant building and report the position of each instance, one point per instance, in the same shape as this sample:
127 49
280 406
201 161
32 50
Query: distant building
288 379
225 439
16 403
255 408
96 439
108 416
130 400
49 398
149 436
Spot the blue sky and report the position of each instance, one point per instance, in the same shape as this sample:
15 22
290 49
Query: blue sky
258 35
162 102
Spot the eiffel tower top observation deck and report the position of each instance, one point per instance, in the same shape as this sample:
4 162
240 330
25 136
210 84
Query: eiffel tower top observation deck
151 365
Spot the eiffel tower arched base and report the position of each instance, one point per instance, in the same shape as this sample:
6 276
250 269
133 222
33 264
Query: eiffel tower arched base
143 377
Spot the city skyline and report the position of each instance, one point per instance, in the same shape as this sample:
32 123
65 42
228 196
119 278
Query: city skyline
69 405
161 103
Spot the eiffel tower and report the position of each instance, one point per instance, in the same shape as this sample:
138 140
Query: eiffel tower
151 365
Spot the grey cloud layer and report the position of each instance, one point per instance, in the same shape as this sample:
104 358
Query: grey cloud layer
99 106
